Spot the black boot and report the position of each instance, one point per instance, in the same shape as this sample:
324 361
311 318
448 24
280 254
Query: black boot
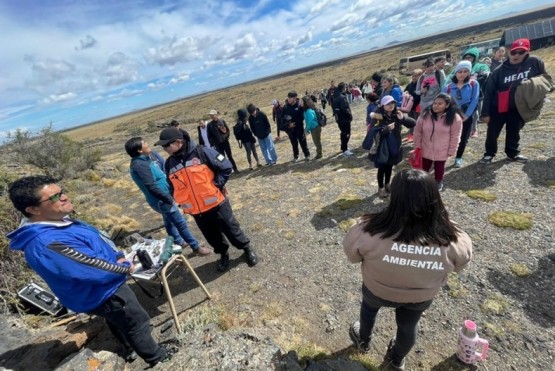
223 265
251 257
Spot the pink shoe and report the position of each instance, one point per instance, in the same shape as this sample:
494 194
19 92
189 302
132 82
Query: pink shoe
474 134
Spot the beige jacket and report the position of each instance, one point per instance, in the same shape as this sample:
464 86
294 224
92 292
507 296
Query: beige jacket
529 96
404 273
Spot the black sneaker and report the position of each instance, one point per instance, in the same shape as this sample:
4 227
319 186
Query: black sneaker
486 159
251 257
519 158
170 351
130 355
223 265
354 334
389 363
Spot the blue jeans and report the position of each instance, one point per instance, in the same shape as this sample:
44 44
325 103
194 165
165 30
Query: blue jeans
268 149
407 316
176 225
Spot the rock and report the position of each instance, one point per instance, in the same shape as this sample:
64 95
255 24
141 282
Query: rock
132 239
89 360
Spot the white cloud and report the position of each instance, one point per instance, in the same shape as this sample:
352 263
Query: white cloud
87 42
119 69
59 98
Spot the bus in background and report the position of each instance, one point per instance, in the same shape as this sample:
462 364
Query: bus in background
408 64
486 48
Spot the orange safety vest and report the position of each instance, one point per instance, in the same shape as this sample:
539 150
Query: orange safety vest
193 187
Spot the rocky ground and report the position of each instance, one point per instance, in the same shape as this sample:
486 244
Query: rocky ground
303 294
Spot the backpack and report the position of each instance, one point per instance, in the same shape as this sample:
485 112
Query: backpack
321 117
407 103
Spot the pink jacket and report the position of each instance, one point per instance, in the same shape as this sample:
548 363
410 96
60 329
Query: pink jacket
444 141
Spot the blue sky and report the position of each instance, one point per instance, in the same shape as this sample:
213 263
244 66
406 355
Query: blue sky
73 62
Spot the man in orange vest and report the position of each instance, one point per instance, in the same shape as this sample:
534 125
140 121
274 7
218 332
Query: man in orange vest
197 176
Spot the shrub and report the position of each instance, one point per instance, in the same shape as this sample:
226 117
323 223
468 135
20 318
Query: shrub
511 219
54 153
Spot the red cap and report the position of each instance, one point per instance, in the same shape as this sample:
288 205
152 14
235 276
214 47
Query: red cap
521 44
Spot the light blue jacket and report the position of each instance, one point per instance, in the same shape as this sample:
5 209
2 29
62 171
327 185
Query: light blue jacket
310 120
467 99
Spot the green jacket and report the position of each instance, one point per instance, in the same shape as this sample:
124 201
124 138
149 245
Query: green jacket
480 71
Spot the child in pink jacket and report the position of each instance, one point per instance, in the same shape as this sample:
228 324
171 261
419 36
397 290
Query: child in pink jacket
437 134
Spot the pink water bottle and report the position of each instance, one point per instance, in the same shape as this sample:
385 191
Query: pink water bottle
469 341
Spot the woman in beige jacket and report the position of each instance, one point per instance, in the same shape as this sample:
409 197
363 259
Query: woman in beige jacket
406 253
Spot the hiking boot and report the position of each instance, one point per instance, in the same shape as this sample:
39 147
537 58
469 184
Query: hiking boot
223 265
382 193
202 251
319 156
348 153
388 189
389 363
307 158
295 159
251 257
258 164
354 334
486 159
519 158
458 163
170 351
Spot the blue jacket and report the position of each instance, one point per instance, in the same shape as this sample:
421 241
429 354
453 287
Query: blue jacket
310 120
74 259
151 180
467 99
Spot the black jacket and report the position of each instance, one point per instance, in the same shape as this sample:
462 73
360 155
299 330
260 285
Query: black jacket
260 125
341 109
215 134
243 133
509 76
295 111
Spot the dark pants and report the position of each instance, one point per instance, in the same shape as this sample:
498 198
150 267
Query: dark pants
297 138
323 105
345 128
225 149
251 148
407 316
465 134
384 175
219 223
496 122
130 324
439 168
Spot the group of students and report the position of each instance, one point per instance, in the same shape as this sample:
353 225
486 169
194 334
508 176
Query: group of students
444 111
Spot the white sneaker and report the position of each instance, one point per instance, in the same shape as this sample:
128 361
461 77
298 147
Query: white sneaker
295 159
348 153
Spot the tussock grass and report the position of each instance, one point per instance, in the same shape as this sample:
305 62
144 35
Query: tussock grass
480 194
551 183
348 201
520 270
365 360
272 311
495 305
511 219
345 225
456 289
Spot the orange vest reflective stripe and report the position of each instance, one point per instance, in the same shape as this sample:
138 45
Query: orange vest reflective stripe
193 187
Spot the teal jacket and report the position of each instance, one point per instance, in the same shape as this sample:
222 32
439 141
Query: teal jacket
479 70
151 180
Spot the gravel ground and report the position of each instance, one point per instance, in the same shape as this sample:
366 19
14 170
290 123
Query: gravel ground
305 293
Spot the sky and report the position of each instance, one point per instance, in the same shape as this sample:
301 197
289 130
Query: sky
72 62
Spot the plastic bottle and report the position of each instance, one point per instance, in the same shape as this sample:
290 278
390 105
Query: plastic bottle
469 342
167 252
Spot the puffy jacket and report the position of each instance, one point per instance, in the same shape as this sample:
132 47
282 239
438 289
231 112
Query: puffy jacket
151 180
74 259
396 92
379 124
310 119
530 95
468 97
198 176
437 140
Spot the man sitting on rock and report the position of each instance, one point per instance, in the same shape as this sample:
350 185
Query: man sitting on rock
82 267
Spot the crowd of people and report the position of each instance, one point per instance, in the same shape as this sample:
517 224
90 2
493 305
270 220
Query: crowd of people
406 251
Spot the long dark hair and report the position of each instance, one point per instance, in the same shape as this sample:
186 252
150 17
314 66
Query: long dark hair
450 112
415 213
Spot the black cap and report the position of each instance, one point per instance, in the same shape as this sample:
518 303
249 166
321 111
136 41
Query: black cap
292 94
169 135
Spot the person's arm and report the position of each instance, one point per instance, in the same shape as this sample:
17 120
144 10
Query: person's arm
417 133
219 164
143 172
397 94
463 252
407 121
490 94
266 122
474 99
351 243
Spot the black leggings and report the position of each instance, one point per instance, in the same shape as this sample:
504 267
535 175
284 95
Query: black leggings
384 175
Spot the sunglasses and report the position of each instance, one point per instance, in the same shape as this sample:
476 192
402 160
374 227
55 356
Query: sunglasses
168 144
55 197
518 52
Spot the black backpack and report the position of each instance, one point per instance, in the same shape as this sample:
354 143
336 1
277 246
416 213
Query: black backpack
321 117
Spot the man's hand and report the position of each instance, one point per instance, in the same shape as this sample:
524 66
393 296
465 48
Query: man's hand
291 125
131 265
484 119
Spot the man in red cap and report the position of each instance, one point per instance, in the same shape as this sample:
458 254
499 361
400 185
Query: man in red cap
499 100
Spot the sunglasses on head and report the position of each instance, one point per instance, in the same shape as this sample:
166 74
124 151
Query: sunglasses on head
518 52
168 144
55 197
